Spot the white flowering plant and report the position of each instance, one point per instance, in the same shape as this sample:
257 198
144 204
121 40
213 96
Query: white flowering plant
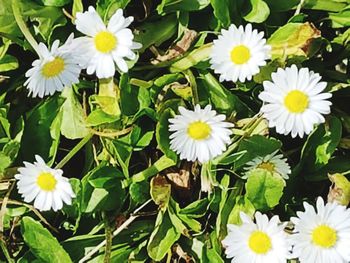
174 131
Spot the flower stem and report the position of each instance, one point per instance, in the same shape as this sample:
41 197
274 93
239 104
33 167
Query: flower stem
74 151
22 25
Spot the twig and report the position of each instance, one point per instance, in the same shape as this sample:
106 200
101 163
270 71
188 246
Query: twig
3 207
14 202
111 135
116 232
109 237
300 5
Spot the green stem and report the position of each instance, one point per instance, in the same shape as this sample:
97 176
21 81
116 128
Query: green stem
108 233
74 151
22 25
192 80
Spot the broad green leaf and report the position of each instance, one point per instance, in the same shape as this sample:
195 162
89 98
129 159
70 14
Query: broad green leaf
128 96
326 5
57 3
155 33
161 164
41 243
341 19
8 63
227 11
258 13
106 8
37 129
73 124
102 190
293 39
264 189
162 134
162 238
139 192
167 6
255 146
242 205
222 99
98 117
321 144
193 58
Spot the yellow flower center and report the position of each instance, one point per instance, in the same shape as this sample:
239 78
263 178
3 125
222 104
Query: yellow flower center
53 68
240 54
296 101
267 166
260 242
199 130
324 236
105 42
46 181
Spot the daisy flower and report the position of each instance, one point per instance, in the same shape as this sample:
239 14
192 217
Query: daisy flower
104 45
54 70
322 236
43 184
293 101
200 134
271 162
262 242
238 53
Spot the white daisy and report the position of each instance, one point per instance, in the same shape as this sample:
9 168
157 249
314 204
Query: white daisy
200 134
293 101
271 162
103 44
43 184
238 53
322 236
54 70
262 242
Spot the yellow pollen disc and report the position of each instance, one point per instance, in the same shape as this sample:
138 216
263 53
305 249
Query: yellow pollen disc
259 242
240 54
198 130
296 101
324 236
53 68
46 181
105 42
267 166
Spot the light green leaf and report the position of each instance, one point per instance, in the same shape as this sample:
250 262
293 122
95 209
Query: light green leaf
155 33
259 12
264 189
167 6
162 238
341 19
8 63
41 243
57 3
73 125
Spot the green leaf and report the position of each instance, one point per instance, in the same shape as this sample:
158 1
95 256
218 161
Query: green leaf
264 189
162 134
102 190
73 125
259 12
223 100
57 3
139 191
155 33
162 238
242 205
8 63
37 129
98 117
167 6
193 58
255 146
321 144
41 243
341 19
227 11
106 8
